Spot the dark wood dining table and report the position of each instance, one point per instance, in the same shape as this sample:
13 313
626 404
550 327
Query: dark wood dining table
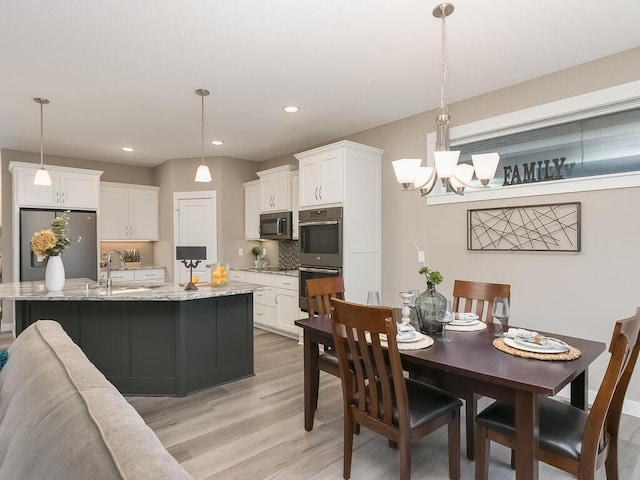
472 363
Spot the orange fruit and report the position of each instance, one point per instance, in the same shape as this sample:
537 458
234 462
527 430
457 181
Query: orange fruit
195 279
216 274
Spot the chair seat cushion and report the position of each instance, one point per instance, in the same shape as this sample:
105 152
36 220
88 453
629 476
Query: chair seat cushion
561 425
427 403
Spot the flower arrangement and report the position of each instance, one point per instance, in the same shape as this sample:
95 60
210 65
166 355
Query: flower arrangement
433 277
51 242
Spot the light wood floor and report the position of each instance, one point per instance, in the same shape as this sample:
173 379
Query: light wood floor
253 429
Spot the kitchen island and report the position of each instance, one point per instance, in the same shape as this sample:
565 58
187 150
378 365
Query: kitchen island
149 339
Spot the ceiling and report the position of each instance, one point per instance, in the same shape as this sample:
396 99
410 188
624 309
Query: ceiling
124 72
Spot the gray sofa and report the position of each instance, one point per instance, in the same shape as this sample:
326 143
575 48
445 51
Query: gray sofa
61 419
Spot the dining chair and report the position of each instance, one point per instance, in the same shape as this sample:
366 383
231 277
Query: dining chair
319 292
571 439
375 392
476 297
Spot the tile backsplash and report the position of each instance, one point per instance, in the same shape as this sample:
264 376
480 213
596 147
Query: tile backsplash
288 254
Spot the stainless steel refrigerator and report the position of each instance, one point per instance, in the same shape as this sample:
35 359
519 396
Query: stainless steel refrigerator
80 259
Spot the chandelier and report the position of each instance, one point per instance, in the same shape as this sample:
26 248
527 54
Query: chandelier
409 171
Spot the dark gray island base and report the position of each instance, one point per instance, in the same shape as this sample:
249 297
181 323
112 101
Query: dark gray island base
157 347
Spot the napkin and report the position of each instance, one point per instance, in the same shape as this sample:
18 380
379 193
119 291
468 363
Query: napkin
534 337
466 317
522 333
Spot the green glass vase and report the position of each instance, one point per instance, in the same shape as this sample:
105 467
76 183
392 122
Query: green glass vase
430 308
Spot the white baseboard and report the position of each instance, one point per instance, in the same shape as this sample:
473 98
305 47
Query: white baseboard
629 407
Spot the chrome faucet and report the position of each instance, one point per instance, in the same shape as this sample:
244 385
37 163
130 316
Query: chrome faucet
109 281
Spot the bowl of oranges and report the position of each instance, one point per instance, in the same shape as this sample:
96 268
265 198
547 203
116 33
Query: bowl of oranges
220 274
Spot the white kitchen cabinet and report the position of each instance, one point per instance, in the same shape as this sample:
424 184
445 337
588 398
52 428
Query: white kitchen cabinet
322 176
142 275
287 300
264 301
348 174
237 276
275 190
70 187
128 212
276 309
294 182
252 210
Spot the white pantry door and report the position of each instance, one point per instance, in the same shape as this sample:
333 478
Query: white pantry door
194 226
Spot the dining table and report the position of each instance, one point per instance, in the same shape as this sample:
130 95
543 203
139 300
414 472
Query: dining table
472 363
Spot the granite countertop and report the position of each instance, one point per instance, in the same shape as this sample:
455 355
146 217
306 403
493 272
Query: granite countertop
84 289
288 273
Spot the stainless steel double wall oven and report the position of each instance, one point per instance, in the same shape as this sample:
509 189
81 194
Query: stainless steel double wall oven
320 239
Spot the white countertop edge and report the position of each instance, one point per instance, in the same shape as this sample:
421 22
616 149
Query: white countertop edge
76 290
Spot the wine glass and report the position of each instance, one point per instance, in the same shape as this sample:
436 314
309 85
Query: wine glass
500 313
373 297
445 319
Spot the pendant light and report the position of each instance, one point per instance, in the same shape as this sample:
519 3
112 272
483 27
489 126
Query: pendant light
42 176
455 176
203 174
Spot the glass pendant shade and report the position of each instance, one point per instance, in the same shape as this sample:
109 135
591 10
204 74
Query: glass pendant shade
446 163
423 176
485 165
203 174
463 174
42 177
406 170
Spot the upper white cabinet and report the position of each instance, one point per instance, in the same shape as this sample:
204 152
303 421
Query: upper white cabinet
275 195
294 181
128 212
322 176
326 171
252 210
70 187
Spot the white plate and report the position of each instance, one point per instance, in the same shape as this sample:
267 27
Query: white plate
464 323
416 336
466 316
534 347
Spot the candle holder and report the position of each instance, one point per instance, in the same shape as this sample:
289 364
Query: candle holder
191 264
189 256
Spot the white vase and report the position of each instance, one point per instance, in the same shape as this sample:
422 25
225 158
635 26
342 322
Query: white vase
54 274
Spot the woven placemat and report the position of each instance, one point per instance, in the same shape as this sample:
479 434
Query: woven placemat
476 327
572 354
424 342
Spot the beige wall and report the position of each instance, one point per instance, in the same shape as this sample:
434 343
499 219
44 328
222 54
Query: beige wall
571 293
228 175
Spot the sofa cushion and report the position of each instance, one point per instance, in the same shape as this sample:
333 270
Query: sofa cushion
61 418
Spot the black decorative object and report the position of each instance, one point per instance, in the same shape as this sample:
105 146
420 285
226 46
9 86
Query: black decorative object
191 257
549 227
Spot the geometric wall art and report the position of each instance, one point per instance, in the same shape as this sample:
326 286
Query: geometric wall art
551 227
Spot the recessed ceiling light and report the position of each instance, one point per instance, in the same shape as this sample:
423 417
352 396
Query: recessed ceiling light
290 109
216 142
128 149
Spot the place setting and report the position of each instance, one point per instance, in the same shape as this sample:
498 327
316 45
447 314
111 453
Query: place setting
466 322
531 344
408 337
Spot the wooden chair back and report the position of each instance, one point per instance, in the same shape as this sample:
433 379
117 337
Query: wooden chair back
599 441
377 381
478 297
320 291
375 392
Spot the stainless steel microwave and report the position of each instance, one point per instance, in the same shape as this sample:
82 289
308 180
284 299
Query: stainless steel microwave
275 226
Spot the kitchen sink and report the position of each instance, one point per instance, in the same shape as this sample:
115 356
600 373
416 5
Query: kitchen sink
128 288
